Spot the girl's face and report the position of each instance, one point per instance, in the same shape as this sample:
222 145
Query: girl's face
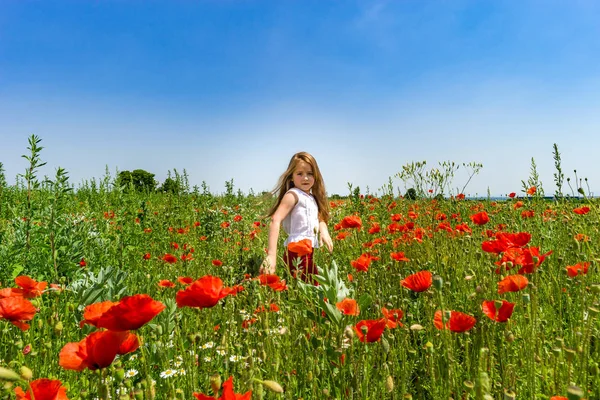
303 177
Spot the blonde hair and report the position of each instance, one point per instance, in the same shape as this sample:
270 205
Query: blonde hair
286 182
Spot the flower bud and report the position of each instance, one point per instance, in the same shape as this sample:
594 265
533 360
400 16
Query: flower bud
349 332
574 393
215 383
119 374
26 373
438 282
58 327
389 384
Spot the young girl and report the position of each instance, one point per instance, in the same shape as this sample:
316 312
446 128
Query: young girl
303 210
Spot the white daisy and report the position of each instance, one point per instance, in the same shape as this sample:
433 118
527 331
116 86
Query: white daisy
131 373
168 373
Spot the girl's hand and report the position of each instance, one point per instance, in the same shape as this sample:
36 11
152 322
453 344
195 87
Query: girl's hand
268 265
324 238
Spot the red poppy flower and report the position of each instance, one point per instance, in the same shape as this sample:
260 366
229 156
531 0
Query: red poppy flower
97 350
146 256
16 310
419 282
82 262
217 263
374 329
351 221
348 307
362 263
272 281
577 269
512 283
301 248
228 393
392 317
505 240
501 314
531 191
527 214
185 280
558 398
375 228
581 210
460 196
165 283
512 195
29 288
169 258
43 389
93 312
203 293
131 313
480 218
399 256
458 321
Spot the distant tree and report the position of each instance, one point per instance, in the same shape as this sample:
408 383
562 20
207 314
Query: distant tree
141 180
411 194
171 185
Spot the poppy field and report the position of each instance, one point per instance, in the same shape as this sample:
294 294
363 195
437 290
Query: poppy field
112 293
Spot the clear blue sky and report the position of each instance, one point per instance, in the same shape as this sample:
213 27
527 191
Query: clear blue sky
231 89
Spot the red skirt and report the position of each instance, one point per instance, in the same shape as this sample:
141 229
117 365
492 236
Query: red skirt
305 268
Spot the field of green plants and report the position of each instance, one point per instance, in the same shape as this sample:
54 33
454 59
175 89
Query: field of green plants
108 292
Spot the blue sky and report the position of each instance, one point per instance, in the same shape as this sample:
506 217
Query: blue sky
231 89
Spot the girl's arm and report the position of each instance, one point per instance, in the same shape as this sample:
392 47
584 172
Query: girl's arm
287 204
324 237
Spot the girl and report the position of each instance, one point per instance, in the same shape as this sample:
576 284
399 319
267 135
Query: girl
303 210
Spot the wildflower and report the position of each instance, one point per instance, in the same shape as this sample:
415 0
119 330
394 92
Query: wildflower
43 389
217 263
512 195
185 280
342 235
531 191
374 329
131 373
501 314
16 310
203 293
458 321
480 218
29 288
207 345
168 373
580 237
577 269
392 317
375 228
348 307
527 214
362 263
146 256
419 282
273 281
581 210
82 262
351 221
512 283
131 313
228 393
169 258
399 256
97 350
93 312
301 248
165 283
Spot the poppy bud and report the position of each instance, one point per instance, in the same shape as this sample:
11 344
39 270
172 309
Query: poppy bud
58 327
416 327
594 370
438 282
103 391
510 337
429 347
26 373
386 346
19 344
215 383
84 394
40 323
119 374
309 376
469 385
407 396
526 298
138 394
326 392
389 384
349 332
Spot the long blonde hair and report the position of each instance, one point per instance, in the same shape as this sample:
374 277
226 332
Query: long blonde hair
286 182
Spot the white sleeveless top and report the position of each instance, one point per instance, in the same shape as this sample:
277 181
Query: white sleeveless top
303 221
